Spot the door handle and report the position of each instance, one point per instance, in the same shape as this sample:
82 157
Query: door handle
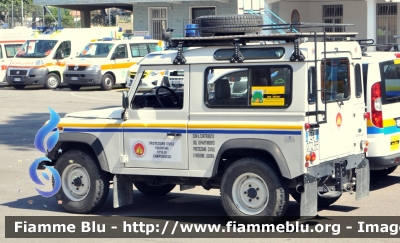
173 134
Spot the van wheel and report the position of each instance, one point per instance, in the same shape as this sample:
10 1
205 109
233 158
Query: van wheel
107 82
19 86
146 189
52 81
74 87
384 172
84 186
251 187
322 201
247 23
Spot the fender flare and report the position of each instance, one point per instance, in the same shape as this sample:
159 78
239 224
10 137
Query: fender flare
89 139
259 144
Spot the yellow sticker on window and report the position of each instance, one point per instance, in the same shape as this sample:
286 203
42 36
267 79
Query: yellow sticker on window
394 142
396 61
268 96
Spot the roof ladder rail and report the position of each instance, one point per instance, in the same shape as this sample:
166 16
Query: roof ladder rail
237 55
297 55
180 59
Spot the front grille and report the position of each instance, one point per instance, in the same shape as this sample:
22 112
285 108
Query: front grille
18 72
80 68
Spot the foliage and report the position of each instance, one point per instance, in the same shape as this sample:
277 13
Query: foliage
102 18
67 20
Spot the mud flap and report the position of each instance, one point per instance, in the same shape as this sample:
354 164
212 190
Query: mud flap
309 198
122 190
362 180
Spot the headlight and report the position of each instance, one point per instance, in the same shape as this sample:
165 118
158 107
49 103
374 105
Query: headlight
93 68
66 68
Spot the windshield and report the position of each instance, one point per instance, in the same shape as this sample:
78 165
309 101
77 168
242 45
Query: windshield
96 50
36 48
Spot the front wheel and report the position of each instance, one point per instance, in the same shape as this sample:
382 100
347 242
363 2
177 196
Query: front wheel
107 82
154 190
250 187
52 81
84 186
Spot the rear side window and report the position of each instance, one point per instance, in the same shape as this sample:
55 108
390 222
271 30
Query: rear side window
357 70
312 85
335 79
1 52
254 86
390 75
365 75
139 50
12 49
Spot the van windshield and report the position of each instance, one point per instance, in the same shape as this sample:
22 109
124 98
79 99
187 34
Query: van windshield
96 50
390 75
36 48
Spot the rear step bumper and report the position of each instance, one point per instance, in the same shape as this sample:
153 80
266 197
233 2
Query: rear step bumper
338 168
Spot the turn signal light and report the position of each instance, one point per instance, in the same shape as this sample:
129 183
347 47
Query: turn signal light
308 157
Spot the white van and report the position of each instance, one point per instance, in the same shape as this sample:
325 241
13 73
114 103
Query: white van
106 63
10 41
41 60
381 74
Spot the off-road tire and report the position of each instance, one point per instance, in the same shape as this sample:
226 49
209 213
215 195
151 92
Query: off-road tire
219 23
74 87
154 190
99 182
384 172
107 82
236 177
55 81
19 86
322 201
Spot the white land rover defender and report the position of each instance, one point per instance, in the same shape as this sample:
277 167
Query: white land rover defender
298 127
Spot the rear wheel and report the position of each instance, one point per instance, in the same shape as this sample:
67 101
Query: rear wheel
84 186
384 172
74 87
250 187
52 81
154 190
107 82
19 86
220 23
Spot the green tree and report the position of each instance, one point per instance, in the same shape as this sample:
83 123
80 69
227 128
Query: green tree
30 10
67 20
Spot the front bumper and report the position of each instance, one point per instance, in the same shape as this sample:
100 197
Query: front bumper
83 78
31 76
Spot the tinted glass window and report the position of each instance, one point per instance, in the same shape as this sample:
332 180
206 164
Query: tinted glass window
390 75
335 79
251 53
11 50
358 80
258 86
312 85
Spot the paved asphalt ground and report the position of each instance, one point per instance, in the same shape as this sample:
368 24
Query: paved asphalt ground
23 112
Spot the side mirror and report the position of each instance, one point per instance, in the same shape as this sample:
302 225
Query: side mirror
125 100
59 54
114 56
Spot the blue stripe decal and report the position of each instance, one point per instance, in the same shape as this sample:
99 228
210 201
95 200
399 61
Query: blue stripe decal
246 132
183 131
392 129
386 130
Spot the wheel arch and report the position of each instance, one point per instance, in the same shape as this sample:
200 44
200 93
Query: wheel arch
263 148
88 142
112 74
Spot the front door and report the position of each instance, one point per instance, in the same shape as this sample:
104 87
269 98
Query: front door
121 63
155 135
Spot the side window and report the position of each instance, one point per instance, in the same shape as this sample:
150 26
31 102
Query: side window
139 50
120 51
146 96
335 79
258 86
65 47
1 52
11 50
357 70
153 47
365 75
312 85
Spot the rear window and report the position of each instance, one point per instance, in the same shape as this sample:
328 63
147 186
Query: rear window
390 75
251 53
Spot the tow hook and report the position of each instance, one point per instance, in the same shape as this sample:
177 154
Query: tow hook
349 187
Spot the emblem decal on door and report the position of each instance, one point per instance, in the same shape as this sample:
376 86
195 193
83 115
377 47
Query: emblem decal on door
338 119
139 150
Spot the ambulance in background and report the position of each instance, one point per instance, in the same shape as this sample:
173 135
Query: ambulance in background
106 63
41 59
10 41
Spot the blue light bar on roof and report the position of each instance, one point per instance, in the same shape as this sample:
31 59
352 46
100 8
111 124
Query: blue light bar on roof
147 37
49 28
107 39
